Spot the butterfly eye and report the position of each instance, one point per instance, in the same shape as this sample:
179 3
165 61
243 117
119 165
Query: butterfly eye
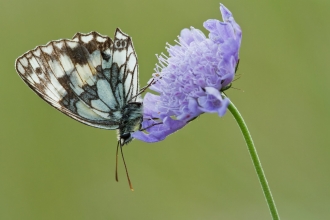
125 136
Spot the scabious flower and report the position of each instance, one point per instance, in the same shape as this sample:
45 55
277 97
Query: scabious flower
190 81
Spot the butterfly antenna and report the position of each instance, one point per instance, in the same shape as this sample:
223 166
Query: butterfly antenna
236 68
116 173
143 129
129 181
146 87
143 89
237 78
237 89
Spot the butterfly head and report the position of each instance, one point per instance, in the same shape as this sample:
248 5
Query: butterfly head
124 133
125 138
131 121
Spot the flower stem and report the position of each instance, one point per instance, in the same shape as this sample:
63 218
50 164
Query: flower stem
255 159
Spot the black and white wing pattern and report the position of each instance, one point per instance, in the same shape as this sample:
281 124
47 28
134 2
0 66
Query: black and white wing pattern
89 78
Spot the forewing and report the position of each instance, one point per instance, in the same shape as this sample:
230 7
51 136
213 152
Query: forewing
73 76
125 66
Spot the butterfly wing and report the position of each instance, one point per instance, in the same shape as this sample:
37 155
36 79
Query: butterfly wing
125 63
87 78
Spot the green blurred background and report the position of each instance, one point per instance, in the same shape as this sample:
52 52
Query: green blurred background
52 167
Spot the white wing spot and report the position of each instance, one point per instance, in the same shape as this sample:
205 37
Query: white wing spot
37 52
57 68
59 44
52 95
24 62
20 67
87 38
128 82
72 45
119 57
120 36
85 74
66 63
101 39
131 62
130 49
48 49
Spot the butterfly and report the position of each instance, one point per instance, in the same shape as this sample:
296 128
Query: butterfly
92 79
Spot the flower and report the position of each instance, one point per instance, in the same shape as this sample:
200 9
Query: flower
190 81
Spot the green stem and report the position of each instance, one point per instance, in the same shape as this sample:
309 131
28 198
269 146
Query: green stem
255 159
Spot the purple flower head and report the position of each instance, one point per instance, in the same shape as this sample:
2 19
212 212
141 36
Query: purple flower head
191 79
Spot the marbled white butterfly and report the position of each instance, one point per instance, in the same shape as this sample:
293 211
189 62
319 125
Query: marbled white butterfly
90 78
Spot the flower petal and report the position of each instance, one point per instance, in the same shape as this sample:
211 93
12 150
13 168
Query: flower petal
213 102
227 16
159 132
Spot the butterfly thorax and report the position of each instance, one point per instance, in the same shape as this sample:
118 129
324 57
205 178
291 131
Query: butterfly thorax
131 121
